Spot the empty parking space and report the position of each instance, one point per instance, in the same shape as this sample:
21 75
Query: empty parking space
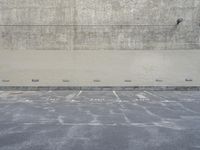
85 119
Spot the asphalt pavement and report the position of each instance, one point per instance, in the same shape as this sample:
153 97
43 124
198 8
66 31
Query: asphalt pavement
99 120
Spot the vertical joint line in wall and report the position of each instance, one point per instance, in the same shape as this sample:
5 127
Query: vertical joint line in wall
74 30
42 32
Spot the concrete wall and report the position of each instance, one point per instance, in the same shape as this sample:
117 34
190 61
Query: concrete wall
100 68
91 36
99 24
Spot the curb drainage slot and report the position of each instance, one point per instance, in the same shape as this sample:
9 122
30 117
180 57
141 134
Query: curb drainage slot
65 80
159 80
128 81
96 80
5 81
35 80
188 80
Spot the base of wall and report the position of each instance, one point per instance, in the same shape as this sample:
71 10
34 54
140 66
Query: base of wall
102 88
170 68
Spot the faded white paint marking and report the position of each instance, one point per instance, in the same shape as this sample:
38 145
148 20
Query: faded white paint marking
95 117
70 96
60 120
149 112
123 113
26 101
156 96
79 93
142 97
165 124
118 99
151 94
164 100
95 124
74 101
126 118
52 110
185 108
168 124
188 99
97 100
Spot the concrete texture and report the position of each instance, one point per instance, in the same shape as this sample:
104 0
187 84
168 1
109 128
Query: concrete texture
99 24
28 27
98 68
114 120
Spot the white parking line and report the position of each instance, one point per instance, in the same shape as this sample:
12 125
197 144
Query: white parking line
160 97
79 93
118 99
154 95
140 96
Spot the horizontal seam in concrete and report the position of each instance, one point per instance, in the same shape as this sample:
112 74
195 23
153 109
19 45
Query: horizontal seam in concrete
101 88
85 25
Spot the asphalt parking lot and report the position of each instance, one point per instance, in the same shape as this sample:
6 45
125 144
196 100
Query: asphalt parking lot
99 120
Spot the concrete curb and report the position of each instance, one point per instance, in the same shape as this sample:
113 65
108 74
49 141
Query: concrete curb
101 88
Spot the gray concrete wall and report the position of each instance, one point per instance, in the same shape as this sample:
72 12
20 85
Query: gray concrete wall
100 68
99 24
158 52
